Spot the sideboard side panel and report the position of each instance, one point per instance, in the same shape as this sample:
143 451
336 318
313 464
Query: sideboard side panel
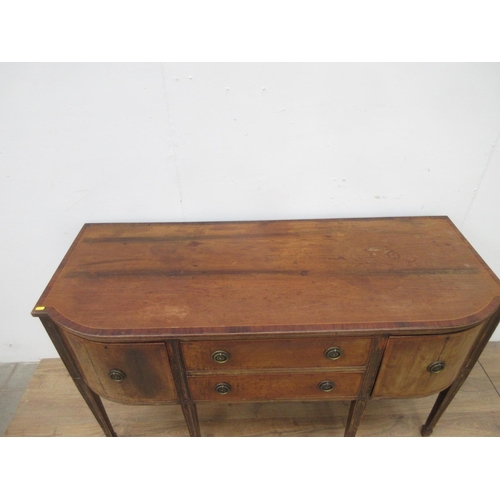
404 371
148 377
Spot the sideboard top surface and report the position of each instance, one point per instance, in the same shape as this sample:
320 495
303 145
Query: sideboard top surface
302 275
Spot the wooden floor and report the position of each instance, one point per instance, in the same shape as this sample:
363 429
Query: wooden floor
52 406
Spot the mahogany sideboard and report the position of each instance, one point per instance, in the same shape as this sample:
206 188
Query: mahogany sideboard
334 309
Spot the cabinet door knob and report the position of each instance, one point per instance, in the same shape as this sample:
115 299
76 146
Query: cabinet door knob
326 386
220 356
436 367
334 353
116 375
222 388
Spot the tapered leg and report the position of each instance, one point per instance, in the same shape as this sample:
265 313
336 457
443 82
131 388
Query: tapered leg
358 406
191 418
443 400
91 398
179 373
354 418
96 407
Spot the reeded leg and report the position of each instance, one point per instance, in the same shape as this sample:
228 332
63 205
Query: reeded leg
354 418
91 398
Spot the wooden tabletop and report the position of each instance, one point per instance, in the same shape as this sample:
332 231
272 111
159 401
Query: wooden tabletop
293 276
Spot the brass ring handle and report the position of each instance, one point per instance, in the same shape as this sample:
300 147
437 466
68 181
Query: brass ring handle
220 356
116 375
334 353
326 386
222 388
436 367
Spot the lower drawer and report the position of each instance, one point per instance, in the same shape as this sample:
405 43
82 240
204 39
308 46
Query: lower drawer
285 386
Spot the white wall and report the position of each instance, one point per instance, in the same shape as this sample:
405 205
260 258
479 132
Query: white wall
185 142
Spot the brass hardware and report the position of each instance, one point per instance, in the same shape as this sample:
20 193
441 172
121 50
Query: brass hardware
220 356
334 353
326 386
116 375
436 367
222 388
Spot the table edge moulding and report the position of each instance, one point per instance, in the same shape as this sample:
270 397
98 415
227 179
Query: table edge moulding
259 311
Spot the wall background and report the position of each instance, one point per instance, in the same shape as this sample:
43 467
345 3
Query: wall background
191 142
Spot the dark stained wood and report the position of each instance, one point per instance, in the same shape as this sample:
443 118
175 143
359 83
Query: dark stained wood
179 372
156 300
283 353
404 372
356 411
358 406
148 378
52 406
267 276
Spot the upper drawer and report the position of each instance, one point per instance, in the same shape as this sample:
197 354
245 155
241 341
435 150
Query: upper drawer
329 352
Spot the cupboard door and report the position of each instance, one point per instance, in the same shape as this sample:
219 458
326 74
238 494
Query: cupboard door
422 365
126 373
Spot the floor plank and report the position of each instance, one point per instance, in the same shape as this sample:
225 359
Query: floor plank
490 361
52 406
14 378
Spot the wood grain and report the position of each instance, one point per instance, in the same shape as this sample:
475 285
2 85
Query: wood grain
285 386
490 362
284 353
148 378
262 276
404 370
143 299
52 406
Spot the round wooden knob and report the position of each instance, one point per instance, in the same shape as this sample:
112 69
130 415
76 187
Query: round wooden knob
326 386
220 356
436 367
222 388
116 375
334 353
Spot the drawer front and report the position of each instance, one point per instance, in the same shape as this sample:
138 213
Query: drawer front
126 373
283 386
283 353
422 365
